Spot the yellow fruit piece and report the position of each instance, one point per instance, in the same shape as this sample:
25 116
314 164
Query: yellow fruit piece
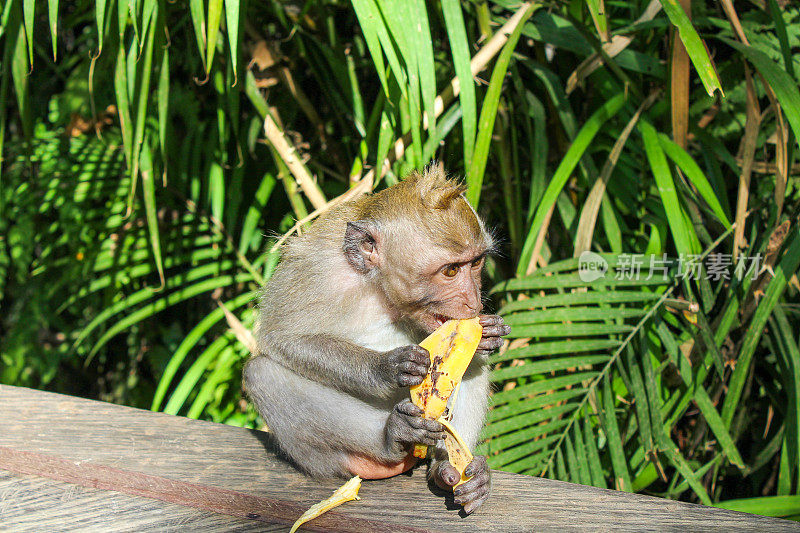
457 451
451 349
345 493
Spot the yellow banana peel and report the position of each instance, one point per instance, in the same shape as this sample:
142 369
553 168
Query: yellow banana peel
345 493
451 348
457 451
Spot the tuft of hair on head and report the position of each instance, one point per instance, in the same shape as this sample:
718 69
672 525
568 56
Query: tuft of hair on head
427 202
435 189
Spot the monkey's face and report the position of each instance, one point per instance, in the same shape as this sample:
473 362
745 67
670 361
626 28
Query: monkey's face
423 245
453 291
430 284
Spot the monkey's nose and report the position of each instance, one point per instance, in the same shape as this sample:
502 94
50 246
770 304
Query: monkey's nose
473 306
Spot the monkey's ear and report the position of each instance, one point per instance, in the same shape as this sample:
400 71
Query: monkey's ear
361 245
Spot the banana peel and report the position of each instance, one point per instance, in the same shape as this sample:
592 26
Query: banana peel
451 348
345 493
457 451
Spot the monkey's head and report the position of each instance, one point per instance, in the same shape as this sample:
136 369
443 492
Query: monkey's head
423 246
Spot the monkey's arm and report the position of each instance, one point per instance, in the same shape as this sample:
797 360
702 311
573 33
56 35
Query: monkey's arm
348 367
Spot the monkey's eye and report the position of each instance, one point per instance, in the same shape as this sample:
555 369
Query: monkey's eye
450 271
477 263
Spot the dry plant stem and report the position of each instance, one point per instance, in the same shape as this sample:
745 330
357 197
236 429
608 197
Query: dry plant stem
591 208
765 167
287 78
680 84
297 92
243 334
617 44
781 159
537 247
365 184
289 155
782 132
748 152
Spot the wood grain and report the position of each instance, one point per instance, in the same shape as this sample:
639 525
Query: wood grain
241 464
32 503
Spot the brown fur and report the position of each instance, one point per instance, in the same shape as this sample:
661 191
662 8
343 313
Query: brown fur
327 326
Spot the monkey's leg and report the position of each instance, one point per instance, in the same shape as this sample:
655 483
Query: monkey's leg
327 432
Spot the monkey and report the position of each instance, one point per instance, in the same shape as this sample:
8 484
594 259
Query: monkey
339 327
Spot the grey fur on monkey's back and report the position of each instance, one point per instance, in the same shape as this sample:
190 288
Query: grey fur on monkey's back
325 325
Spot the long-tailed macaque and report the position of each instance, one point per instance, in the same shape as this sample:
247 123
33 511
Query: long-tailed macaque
339 329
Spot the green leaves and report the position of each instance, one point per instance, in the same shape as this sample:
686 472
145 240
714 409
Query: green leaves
477 167
552 399
685 239
769 506
694 46
562 173
786 268
570 367
681 387
457 35
780 81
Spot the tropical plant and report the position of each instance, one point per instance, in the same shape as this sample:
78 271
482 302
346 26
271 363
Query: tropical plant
149 172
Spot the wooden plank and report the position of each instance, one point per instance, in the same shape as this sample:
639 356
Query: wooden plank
94 434
32 503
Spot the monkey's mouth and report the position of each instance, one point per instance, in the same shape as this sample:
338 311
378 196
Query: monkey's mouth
440 319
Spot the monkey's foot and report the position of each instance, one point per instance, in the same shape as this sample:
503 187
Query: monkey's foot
369 468
472 493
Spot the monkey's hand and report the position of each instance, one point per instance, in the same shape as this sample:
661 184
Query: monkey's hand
472 493
406 366
493 329
406 427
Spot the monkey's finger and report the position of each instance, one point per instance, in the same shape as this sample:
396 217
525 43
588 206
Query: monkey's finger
472 494
428 425
405 407
490 320
429 438
419 428
462 497
496 331
477 465
477 481
415 369
417 354
447 475
490 343
409 380
477 501
419 435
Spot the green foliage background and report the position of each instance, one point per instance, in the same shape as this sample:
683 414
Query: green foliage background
141 199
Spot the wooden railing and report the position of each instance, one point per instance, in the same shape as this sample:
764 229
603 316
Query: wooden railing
72 464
